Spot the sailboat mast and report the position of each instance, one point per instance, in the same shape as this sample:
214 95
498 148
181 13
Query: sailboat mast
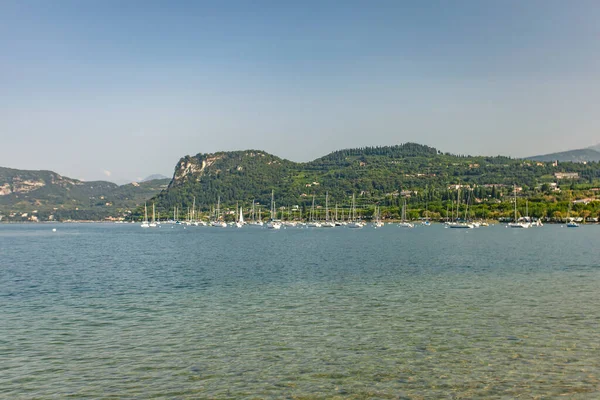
272 204
515 196
458 203
218 207
327 206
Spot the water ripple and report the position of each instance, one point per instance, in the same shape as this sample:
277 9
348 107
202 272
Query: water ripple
108 311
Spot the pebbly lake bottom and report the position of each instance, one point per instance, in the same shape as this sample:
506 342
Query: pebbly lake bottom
109 311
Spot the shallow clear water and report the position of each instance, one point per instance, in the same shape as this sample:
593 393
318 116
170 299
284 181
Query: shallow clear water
113 311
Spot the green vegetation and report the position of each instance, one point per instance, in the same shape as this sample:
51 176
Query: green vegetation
46 195
382 176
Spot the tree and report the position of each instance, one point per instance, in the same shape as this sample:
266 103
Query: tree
546 188
585 214
557 216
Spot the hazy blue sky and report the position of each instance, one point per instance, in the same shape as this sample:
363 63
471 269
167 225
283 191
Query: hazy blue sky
128 87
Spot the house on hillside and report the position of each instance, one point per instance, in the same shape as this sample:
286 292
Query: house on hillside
566 175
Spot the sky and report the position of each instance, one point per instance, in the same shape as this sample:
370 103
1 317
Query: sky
119 90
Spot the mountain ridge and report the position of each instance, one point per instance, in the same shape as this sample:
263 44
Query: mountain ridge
154 177
244 175
374 174
588 154
49 193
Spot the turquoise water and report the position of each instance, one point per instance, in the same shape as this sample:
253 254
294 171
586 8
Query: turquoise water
115 311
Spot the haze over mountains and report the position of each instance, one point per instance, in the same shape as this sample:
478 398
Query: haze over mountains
154 177
588 154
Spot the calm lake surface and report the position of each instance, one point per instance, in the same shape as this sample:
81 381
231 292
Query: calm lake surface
116 311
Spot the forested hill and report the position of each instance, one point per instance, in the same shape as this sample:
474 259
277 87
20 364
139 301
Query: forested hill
369 172
41 194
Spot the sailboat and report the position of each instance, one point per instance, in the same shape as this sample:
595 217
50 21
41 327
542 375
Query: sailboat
240 221
145 222
377 223
153 223
464 224
426 222
336 220
259 222
256 213
328 223
450 220
404 223
197 222
274 223
290 219
570 222
353 222
313 223
517 223
217 222
193 219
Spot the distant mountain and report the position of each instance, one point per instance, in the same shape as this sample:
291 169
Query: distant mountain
579 155
48 193
154 177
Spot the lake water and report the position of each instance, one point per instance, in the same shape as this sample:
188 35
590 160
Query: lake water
116 311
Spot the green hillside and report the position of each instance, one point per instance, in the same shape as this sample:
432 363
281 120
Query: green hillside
374 174
384 176
46 193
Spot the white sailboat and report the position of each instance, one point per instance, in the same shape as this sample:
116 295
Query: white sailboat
218 222
145 223
337 221
240 221
290 219
328 223
256 213
518 223
377 223
193 219
464 224
274 223
354 223
259 222
313 223
404 223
